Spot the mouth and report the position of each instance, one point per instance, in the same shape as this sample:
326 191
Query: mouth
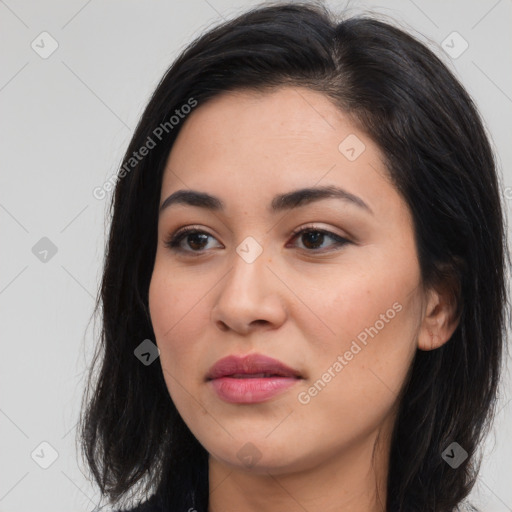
251 366
253 375
251 379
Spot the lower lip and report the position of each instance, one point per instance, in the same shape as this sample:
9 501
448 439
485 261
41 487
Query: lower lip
250 390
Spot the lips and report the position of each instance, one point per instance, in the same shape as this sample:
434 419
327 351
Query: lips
250 379
250 366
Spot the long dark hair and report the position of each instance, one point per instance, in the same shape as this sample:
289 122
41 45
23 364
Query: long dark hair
438 157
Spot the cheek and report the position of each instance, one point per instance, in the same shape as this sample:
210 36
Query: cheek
343 303
376 296
174 308
173 300
355 382
373 319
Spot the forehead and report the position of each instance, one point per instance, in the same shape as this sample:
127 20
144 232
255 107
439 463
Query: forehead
286 117
257 142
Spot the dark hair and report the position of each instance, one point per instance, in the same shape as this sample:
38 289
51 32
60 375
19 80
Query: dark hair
439 159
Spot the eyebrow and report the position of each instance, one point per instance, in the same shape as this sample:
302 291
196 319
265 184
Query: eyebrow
280 202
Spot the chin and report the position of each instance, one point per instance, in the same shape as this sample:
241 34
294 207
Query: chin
259 455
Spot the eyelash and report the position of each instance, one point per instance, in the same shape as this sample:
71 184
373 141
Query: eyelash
175 239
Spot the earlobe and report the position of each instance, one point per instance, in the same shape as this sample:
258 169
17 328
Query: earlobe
433 341
439 322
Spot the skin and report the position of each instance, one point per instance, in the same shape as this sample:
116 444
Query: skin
301 303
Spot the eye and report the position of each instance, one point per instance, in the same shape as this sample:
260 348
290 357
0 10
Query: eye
195 237
313 238
197 240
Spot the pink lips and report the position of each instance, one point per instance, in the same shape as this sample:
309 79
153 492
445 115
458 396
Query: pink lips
250 379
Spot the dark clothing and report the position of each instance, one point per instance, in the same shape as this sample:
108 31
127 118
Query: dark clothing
159 504
151 505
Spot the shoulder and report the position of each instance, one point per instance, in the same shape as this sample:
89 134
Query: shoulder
158 503
151 505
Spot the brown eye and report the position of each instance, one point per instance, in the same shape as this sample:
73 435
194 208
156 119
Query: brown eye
313 239
195 241
193 238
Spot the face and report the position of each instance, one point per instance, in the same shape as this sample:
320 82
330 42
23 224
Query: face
329 286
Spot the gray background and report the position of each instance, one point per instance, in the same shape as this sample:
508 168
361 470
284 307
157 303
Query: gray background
65 122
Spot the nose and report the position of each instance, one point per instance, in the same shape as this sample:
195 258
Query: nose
250 297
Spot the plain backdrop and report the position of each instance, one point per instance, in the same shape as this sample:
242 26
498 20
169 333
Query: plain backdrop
66 119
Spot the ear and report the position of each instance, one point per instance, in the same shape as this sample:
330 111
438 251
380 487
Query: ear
439 321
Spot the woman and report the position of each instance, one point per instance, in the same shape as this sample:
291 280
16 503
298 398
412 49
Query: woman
303 297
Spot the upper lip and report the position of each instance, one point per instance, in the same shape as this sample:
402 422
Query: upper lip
250 364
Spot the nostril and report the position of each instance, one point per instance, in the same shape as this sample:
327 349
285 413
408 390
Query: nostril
222 326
